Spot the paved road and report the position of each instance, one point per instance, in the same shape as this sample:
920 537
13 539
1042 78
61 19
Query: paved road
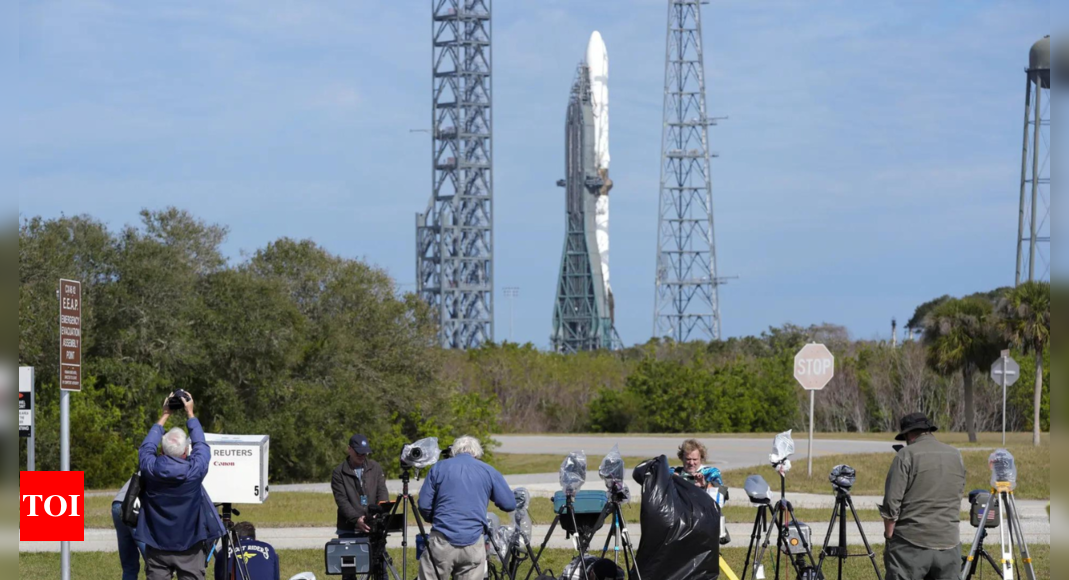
727 453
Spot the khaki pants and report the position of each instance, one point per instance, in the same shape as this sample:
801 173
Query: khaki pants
463 563
189 565
904 561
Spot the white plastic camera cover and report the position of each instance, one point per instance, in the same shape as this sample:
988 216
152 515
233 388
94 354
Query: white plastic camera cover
573 472
429 453
612 467
304 576
1003 468
782 448
521 518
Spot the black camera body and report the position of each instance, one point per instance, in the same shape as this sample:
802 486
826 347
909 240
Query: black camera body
178 400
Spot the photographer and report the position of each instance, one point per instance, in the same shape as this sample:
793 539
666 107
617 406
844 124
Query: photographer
178 523
454 498
258 558
357 483
922 505
693 455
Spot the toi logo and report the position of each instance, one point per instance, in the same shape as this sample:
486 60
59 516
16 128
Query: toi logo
51 506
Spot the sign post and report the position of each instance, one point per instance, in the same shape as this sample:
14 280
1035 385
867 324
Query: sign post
70 380
26 426
814 367
1005 372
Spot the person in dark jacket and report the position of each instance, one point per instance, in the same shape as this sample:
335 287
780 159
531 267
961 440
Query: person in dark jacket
178 523
257 558
357 483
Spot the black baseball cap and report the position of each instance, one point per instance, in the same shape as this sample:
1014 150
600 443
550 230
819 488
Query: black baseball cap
914 422
359 444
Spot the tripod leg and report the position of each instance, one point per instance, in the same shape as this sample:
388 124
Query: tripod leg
581 544
759 561
542 548
864 539
427 539
755 537
629 548
805 542
827 538
1025 555
977 542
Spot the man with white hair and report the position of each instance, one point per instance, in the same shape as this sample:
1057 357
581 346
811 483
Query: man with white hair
454 499
178 522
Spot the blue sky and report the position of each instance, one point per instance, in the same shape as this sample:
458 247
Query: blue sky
871 159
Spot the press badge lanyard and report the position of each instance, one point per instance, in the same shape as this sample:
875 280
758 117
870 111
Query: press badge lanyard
360 482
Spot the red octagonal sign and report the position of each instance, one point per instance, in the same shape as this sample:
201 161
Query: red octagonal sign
814 366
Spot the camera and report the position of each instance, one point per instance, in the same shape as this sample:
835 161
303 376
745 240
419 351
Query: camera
178 400
421 454
758 490
842 478
978 500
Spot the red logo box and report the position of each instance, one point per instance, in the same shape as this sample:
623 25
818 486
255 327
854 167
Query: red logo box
51 506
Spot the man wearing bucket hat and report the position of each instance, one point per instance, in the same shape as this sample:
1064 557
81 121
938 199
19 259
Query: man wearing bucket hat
921 507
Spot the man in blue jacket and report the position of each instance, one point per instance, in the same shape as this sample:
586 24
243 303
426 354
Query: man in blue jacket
256 558
178 523
454 498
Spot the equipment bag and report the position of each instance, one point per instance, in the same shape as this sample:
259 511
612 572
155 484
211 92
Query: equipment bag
131 504
680 526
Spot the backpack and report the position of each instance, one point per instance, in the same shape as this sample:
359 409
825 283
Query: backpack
131 504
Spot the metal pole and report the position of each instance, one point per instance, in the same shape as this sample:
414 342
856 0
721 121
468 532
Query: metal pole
1024 174
812 406
1005 365
31 443
64 465
1035 177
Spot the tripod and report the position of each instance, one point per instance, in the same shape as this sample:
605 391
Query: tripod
406 501
1010 532
842 501
769 518
240 570
581 540
971 565
618 533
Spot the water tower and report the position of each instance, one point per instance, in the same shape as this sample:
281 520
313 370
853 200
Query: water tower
1033 222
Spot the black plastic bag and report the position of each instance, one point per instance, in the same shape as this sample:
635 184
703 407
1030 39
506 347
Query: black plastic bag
680 526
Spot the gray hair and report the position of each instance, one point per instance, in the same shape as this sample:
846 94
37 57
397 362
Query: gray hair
468 445
175 443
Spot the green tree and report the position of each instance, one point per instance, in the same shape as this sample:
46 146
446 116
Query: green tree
961 336
1024 319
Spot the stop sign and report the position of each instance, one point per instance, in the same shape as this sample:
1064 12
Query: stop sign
814 366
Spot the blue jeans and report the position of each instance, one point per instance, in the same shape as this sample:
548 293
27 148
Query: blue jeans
130 550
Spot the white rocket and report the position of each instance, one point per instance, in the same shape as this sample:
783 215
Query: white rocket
597 61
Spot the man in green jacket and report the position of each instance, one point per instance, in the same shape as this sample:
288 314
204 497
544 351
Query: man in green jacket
921 508
357 483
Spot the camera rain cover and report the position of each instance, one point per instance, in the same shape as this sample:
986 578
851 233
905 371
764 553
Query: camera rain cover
680 526
782 448
573 473
842 476
520 517
422 453
612 467
1003 468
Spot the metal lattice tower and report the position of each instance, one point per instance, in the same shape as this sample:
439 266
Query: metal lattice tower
1033 222
454 238
687 305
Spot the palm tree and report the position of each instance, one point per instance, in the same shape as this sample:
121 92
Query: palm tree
1024 319
961 337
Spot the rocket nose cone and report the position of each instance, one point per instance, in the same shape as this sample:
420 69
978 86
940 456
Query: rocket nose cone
596 42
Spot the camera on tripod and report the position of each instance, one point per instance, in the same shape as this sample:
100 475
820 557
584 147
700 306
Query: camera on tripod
842 478
420 454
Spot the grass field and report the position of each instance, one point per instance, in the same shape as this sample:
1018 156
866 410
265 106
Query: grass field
317 510
95 566
1033 466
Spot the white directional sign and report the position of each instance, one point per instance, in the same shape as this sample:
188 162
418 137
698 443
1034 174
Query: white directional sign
25 401
1005 368
814 367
